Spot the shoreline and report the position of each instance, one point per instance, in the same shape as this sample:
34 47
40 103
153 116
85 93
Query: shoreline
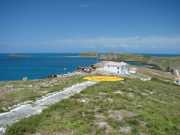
69 74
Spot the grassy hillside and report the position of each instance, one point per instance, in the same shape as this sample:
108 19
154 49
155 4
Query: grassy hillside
14 92
129 107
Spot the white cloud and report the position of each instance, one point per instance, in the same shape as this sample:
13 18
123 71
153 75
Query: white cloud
136 43
123 41
150 44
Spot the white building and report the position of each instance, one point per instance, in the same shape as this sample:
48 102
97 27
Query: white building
132 70
118 68
177 82
177 78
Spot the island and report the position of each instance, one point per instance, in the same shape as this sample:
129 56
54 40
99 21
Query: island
88 54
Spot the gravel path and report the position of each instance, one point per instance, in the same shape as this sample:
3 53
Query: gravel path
26 110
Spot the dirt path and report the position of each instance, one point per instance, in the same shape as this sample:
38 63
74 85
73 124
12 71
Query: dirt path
26 110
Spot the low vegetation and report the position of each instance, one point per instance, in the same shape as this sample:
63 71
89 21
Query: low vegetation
112 108
14 92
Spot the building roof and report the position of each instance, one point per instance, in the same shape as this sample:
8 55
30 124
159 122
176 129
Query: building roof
112 63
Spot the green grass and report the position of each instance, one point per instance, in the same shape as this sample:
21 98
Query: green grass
155 106
31 90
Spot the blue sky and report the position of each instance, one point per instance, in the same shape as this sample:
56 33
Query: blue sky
138 26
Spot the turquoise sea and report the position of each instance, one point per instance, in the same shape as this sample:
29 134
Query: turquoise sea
37 66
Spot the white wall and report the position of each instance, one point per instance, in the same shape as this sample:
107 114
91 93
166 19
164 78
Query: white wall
120 70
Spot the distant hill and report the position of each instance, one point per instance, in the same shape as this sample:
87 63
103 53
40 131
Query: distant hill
88 54
165 63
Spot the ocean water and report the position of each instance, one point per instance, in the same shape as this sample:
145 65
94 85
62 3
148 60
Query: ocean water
37 66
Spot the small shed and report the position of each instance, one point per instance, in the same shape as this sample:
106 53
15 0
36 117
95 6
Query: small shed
132 70
177 80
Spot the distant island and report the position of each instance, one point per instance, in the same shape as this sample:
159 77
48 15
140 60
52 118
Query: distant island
88 54
18 55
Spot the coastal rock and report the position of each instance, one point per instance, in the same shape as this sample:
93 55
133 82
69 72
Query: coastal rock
120 115
119 92
125 130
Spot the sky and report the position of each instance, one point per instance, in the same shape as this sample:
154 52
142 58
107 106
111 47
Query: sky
130 26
